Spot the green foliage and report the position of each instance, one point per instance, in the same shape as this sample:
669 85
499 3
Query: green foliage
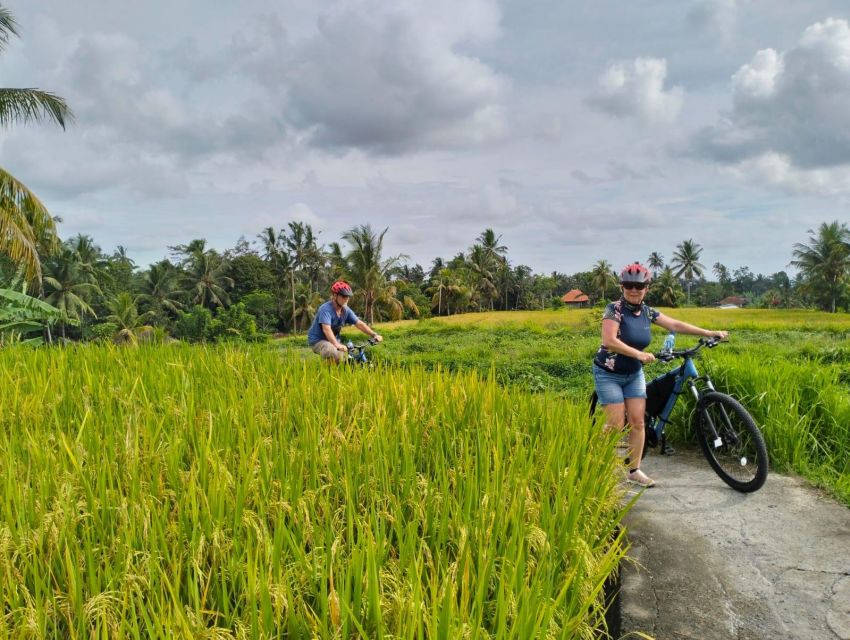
22 315
196 325
199 324
263 307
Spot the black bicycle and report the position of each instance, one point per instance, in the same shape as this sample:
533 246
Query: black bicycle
727 434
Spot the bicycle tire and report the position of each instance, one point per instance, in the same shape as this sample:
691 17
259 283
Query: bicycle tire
741 459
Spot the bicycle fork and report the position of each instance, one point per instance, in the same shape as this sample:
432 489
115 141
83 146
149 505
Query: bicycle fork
730 434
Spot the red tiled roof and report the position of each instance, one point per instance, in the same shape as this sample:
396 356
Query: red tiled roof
574 296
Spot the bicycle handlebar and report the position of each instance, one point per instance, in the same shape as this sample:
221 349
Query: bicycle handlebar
370 341
667 356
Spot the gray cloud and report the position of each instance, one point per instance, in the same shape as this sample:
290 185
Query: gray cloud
391 77
789 105
714 19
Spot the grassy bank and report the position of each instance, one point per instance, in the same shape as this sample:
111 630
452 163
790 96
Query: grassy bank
188 492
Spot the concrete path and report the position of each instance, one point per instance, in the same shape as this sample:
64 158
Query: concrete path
714 564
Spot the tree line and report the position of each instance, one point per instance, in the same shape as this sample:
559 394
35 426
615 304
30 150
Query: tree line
275 283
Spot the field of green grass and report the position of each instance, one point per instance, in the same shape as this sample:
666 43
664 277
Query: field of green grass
235 492
791 368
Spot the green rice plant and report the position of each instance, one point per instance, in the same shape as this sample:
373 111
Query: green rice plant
803 408
230 492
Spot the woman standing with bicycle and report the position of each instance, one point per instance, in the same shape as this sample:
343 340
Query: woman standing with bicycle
618 365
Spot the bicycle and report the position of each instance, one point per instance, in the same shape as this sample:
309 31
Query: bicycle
727 434
357 353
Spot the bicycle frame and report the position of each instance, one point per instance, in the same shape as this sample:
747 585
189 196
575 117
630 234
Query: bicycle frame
686 374
357 352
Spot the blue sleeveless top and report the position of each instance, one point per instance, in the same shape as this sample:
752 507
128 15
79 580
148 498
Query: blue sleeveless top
634 330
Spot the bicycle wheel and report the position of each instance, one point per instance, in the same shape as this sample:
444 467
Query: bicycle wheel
739 455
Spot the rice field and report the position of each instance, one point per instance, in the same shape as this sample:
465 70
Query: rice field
235 492
791 368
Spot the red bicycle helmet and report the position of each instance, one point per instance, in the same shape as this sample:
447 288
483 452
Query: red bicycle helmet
635 272
341 287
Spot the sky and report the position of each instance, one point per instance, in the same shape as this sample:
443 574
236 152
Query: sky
577 130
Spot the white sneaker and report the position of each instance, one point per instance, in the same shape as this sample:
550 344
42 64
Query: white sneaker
639 478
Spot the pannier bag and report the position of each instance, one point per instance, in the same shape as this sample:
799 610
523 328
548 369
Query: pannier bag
658 392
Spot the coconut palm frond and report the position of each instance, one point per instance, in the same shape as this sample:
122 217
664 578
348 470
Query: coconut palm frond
32 105
8 27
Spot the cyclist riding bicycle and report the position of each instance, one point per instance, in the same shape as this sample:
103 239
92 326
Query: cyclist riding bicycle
331 317
618 364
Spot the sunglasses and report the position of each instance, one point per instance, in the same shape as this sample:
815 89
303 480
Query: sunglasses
640 286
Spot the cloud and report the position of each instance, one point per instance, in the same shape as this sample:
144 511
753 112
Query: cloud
714 19
388 77
635 89
789 123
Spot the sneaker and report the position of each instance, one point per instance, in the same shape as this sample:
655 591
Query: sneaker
639 478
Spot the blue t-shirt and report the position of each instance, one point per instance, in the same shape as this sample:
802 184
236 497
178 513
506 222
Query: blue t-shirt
634 330
327 315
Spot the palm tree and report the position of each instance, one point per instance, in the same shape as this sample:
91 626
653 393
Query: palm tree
307 302
205 277
366 268
125 314
686 263
656 263
25 224
67 286
275 254
449 290
303 250
161 290
482 266
665 289
494 253
722 272
603 277
825 261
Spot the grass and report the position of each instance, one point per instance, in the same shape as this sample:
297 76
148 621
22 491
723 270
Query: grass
228 492
791 368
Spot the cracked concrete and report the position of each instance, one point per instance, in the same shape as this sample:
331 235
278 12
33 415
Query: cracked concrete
710 563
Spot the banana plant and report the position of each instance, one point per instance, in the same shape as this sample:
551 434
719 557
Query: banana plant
22 315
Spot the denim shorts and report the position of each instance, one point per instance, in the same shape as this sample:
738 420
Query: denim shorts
614 388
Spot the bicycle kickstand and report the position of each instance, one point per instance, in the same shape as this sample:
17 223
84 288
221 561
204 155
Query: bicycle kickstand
665 449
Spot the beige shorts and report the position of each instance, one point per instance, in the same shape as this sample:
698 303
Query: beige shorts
328 351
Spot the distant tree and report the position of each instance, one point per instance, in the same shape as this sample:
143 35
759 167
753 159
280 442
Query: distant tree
68 287
205 276
603 278
743 279
303 251
307 302
263 307
366 267
723 278
125 314
686 263
665 290
824 263
483 267
450 292
655 263
249 273
160 291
